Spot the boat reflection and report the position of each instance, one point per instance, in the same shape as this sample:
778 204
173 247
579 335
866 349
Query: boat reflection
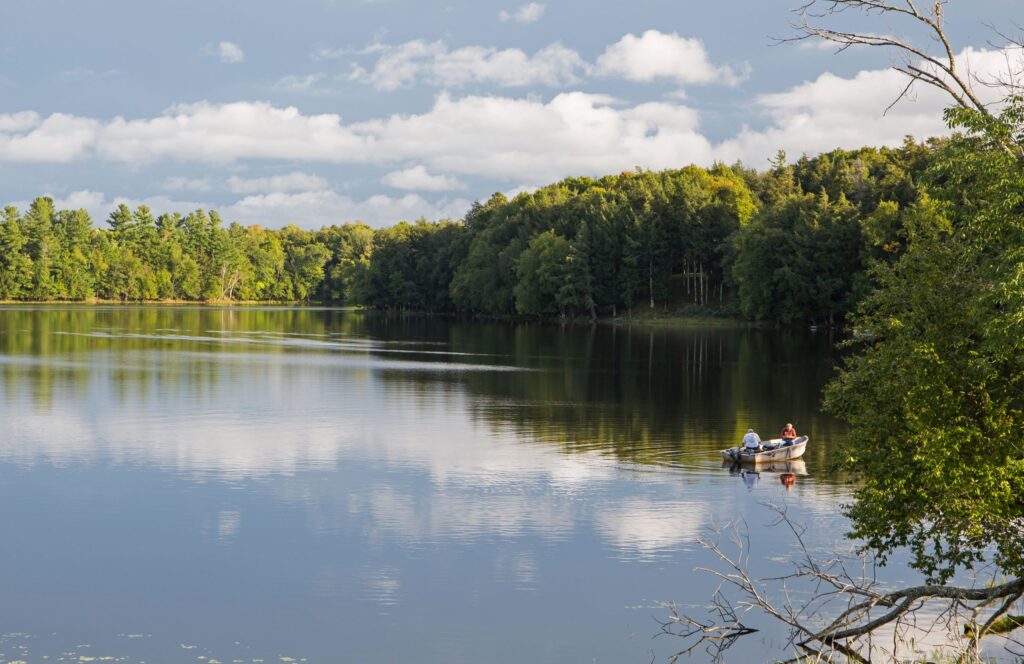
792 467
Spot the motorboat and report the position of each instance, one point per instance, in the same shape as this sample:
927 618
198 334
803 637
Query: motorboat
773 450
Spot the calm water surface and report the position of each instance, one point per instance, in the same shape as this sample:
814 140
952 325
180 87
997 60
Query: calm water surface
183 484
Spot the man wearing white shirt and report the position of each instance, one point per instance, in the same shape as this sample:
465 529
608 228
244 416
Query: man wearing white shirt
752 441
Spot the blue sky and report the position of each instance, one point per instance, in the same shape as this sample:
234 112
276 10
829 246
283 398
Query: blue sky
325 111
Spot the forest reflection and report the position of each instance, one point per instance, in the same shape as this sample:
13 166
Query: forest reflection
643 394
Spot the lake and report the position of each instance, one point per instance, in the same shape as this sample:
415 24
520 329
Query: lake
184 484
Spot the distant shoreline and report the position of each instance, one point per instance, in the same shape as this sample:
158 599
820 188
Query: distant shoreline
641 317
101 301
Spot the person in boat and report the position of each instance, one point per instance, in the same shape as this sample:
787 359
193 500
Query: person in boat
752 441
788 434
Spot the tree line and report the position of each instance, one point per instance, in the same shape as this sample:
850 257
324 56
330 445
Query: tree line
790 244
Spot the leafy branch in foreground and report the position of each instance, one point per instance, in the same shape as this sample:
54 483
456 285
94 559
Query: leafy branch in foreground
934 401
836 607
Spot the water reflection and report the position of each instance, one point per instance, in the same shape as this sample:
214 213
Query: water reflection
648 526
321 477
577 389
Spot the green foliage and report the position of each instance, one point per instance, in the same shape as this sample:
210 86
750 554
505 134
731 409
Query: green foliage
936 400
799 260
542 270
631 233
789 245
1003 625
350 246
15 264
410 266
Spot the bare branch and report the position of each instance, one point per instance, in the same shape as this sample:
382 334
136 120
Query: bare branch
852 600
902 95
944 69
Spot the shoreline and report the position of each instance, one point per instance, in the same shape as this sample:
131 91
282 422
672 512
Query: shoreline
677 318
169 302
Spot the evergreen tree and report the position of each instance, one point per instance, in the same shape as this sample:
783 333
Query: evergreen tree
15 264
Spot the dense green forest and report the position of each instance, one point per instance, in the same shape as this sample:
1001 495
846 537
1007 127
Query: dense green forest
790 244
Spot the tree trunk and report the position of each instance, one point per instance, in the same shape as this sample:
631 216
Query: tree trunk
700 297
650 278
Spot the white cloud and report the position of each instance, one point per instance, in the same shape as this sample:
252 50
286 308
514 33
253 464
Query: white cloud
521 141
657 55
85 199
230 52
295 181
817 45
651 56
296 83
434 63
529 13
158 204
521 189
312 209
228 132
181 183
836 112
308 209
418 178
18 122
531 141
527 140
330 54
376 46
60 138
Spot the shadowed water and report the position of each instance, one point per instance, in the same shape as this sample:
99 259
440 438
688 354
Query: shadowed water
185 484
